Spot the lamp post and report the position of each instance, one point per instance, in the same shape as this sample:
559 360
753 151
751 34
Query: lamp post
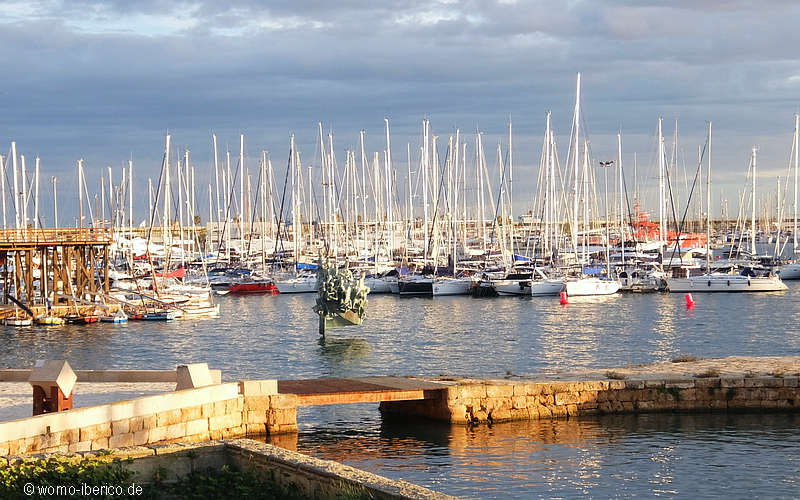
605 165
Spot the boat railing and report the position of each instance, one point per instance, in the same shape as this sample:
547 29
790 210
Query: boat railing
99 235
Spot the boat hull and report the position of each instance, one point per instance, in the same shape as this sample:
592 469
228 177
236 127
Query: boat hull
421 287
454 286
591 286
297 286
546 287
512 287
790 271
725 283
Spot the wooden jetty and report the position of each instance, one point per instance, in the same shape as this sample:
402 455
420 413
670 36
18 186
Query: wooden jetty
67 260
329 391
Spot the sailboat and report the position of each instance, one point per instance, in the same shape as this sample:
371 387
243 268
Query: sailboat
683 280
791 271
582 284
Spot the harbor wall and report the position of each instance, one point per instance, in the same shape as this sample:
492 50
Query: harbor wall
472 402
214 412
309 477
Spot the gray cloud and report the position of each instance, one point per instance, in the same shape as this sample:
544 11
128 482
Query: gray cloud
110 78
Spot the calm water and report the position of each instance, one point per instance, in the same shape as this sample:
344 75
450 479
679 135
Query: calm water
276 337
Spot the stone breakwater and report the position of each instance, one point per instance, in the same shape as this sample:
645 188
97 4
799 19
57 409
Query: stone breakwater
735 383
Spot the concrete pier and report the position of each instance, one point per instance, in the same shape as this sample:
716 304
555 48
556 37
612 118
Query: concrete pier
259 407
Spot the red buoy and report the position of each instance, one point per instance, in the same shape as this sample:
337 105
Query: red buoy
564 300
689 300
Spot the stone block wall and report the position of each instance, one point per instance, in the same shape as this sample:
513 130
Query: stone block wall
208 413
497 401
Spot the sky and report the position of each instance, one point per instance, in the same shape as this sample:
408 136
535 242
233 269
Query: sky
105 81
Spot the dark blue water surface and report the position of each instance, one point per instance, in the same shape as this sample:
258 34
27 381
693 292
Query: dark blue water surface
737 455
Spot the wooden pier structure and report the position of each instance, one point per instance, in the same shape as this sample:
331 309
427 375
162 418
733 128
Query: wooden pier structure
330 391
71 265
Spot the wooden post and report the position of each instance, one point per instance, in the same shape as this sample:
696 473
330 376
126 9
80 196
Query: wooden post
106 286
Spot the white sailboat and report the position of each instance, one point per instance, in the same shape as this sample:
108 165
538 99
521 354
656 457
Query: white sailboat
721 282
791 271
584 285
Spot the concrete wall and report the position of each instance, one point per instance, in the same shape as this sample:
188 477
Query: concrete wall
213 412
309 476
496 401
104 376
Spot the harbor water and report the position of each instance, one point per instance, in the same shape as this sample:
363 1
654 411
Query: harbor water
731 455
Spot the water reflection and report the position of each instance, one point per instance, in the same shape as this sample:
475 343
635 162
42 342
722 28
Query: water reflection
621 455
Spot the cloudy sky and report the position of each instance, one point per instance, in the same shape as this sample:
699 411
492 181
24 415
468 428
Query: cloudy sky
105 81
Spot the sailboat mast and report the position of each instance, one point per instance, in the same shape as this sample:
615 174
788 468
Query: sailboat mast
753 213
660 189
389 191
575 155
16 182
708 204
621 198
241 195
36 199
3 187
796 153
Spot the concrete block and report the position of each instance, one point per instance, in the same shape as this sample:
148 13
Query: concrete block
679 384
566 398
258 387
197 426
99 444
634 384
225 421
703 383
771 382
234 405
654 384
191 413
255 417
499 391
726 382
121 440
193 376
168 417
120 427
614 385
79 446
790 381
256 403
141 437
94 432
280 401
47 373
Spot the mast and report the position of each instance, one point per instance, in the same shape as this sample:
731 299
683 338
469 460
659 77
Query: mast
16 182
708 205
80 192
241 195
3 188
547 201
425 165
796 154
753 214
660 189
575 155
621 197
36 198
130 199
389 193
166 192
55 204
